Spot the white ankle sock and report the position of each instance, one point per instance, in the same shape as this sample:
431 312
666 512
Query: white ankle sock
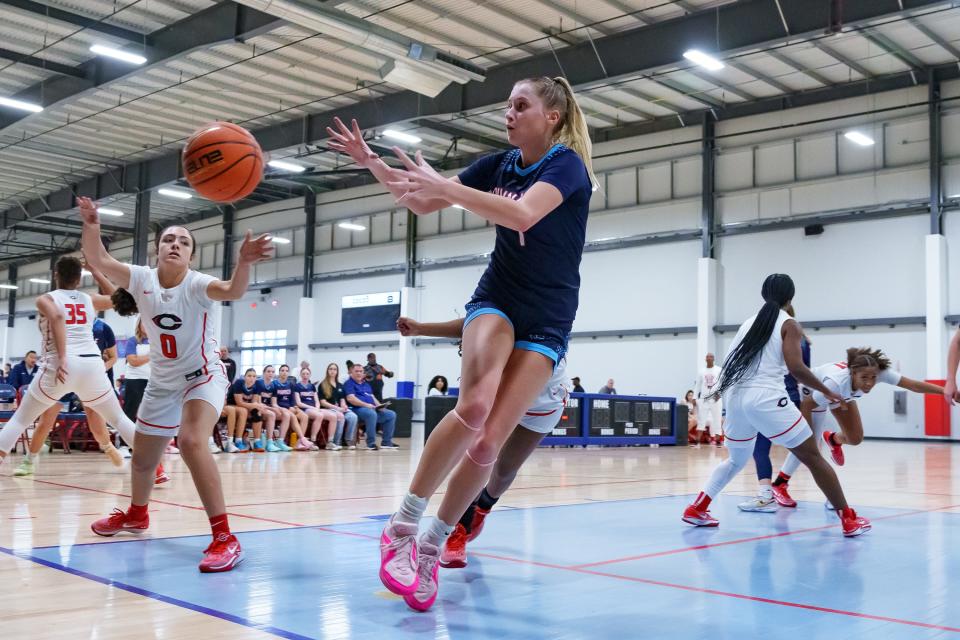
411 510
766 492
437 533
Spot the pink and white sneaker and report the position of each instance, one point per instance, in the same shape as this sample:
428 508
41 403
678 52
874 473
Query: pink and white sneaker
429 578
398 558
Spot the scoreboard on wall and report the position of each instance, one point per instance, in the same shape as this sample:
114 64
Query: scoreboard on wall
630 420
369 312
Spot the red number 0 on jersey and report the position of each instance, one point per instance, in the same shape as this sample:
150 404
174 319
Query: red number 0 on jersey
76 314
168 345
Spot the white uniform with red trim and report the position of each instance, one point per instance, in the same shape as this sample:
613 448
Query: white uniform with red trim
86 375
759 401
710 410
837 378
547 410
184 358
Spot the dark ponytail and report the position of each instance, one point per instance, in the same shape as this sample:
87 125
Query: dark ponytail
123 302
777 291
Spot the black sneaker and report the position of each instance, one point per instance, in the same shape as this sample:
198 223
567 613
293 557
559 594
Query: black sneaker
389 445
371 447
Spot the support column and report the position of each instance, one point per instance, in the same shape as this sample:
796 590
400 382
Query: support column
141 226
934 107
706 310
310 232
707 192
407 364
11 313
936 303
305 323
224 319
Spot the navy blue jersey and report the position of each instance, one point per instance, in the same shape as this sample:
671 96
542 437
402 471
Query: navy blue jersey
789 381
307 393
538 280
239 387
265 391
283 391
103 335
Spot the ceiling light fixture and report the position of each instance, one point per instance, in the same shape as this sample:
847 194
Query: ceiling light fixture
699 57
21 105
401 136
286 166
173 193
117 54
859 138
109 212
351 226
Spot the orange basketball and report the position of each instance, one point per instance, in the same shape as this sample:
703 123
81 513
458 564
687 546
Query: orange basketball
223 162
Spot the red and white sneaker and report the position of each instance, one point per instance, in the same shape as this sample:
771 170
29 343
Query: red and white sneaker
782 496
454 555
119 521
223 554
161 476
836 450
476 524
853 525
699 518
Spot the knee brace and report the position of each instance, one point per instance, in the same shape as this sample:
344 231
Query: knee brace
464 422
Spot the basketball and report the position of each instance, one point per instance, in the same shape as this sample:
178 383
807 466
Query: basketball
223 162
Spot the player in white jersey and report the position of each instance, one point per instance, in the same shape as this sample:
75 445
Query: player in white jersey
537 422
765 348
70 362
710 406
862 371
188 383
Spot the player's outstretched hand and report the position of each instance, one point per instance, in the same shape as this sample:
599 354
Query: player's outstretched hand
408 327
88 210
350 141
257 249
837 399
419 179
950 393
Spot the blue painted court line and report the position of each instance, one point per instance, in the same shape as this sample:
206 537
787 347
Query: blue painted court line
318 584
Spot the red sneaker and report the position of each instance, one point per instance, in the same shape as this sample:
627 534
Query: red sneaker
223 554
782 497
476 525
853 525
161 476
119 521
836 450
454 555
699 518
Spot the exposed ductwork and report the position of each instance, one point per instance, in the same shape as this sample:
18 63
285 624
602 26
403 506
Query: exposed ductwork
415 66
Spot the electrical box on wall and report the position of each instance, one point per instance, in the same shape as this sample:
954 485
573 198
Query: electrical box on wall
900 403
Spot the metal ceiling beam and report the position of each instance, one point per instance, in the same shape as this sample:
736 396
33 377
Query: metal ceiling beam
90 24
223 22
700 97
894 49
936 39
810 73
729 28
109 229
842 59
726 86
40 63
49 232
765 79
464 134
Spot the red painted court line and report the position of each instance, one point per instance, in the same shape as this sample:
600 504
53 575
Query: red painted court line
670 552
171 504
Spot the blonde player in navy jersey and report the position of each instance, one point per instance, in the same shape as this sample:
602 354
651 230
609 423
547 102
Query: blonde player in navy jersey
764 349
70 362
188 382
520 316
863 369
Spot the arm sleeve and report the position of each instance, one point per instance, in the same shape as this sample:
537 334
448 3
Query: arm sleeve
889 376
567 173
480 174
198 288
820 399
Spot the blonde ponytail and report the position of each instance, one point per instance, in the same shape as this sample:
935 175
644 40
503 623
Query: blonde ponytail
574 131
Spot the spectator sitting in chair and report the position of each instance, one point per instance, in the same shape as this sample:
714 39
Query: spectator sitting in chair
21 375
6 373
370 410
438 386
